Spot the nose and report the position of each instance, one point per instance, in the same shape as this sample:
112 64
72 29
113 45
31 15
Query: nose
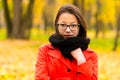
68 29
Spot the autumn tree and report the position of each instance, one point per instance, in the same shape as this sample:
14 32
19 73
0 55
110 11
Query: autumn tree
19 25
48 14
118 25
80 4
98 21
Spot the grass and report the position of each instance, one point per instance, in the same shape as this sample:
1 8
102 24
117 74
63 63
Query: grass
17 57
39 35
104 44
2 34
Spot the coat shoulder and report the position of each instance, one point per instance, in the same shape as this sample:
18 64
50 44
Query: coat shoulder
45 46
90 53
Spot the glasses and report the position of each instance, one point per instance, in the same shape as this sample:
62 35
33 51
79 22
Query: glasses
64 26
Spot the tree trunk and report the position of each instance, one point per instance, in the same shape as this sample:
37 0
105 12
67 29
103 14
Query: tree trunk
17 19
97 24
48 14
117 36
22 24
7 18
118 27
27 21
88 15
80 4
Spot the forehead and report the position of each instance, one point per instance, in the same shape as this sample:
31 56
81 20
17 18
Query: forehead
67 17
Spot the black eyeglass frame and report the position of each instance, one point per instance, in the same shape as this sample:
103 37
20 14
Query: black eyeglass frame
65 26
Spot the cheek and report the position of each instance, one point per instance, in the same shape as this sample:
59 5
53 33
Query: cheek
76 33
60 32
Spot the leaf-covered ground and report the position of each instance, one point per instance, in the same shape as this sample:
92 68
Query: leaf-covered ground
17 61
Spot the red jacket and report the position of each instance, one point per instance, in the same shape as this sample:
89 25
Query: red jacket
51 65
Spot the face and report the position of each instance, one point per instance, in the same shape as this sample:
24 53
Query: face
68 25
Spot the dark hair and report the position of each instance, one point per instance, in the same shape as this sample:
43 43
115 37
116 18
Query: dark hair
72 9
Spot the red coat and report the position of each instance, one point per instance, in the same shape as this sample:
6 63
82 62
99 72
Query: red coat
51 65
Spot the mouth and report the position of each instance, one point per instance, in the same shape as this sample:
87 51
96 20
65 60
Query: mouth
67 36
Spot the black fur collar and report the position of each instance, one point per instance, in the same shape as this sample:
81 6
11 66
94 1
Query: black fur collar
68 45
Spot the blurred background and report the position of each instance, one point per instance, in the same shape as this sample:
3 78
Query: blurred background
27 24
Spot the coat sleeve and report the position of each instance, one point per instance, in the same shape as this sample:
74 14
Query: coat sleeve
90 67
41 72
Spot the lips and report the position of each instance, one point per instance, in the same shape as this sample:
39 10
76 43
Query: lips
68 36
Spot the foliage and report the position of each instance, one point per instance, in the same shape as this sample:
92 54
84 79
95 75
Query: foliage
108 9
19 25
18 58
109 67
105 42
0 5
38 34
3 34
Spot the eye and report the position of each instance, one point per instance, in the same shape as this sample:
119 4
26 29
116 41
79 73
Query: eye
62 25
73 25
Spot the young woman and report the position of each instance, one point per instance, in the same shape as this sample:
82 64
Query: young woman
67 56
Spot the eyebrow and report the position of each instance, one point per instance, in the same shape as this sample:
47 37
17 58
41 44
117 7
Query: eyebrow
70 23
